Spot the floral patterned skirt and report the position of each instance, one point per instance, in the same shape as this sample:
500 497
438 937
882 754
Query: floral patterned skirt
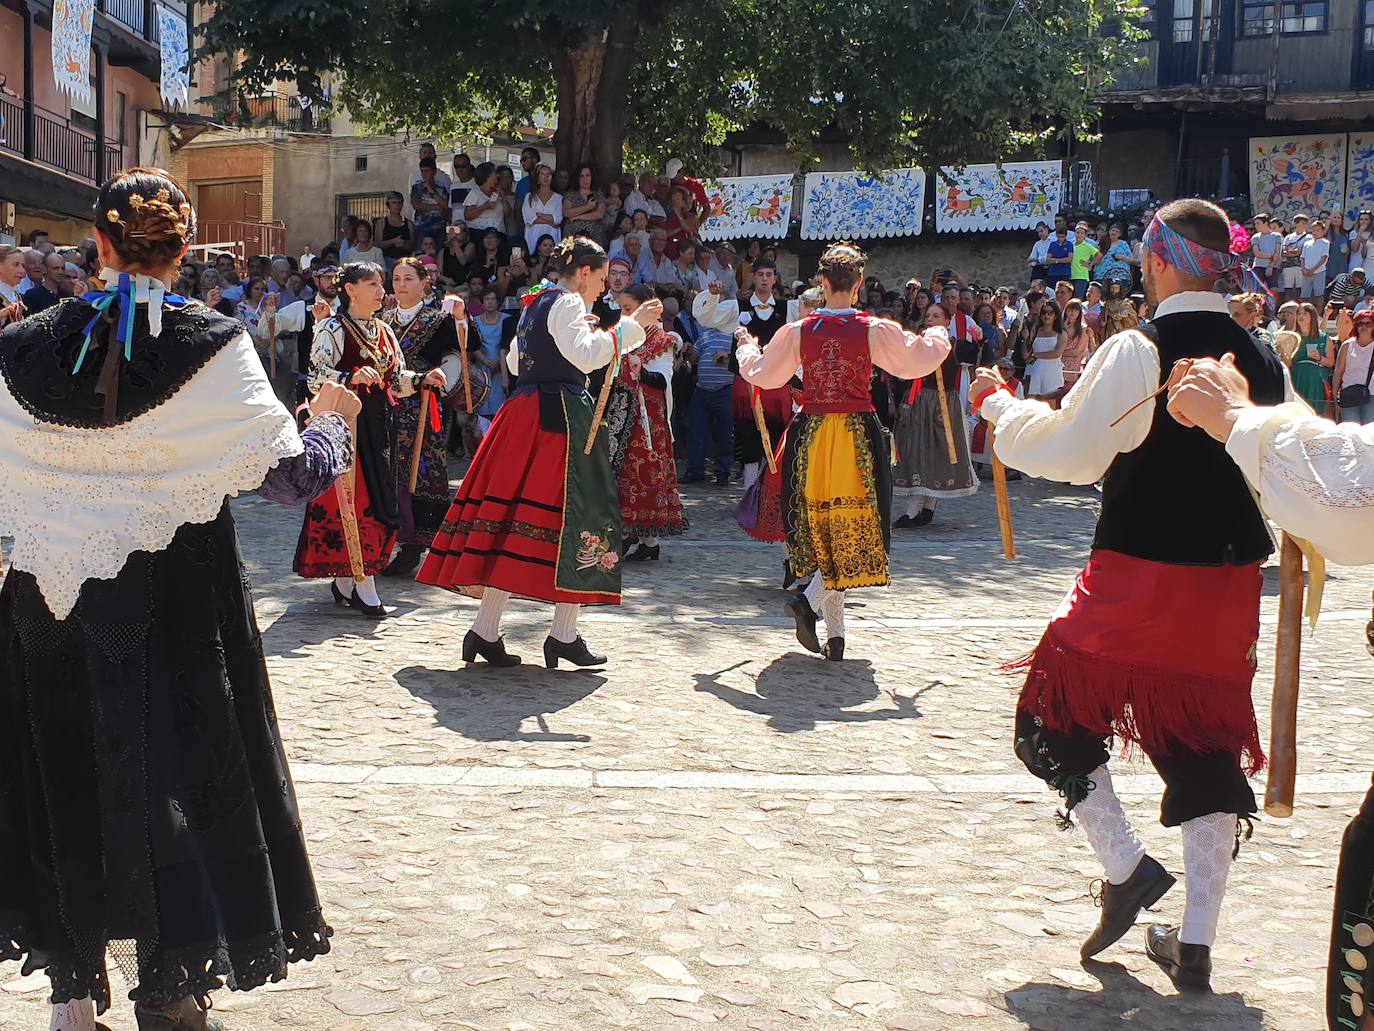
650 505
534 515
836 499
321 550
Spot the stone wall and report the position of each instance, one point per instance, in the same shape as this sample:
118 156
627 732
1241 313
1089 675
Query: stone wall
990 259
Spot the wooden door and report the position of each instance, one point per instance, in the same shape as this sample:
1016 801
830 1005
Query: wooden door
228 213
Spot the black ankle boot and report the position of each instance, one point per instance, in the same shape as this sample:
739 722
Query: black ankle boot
1122 903
185 1016
1188 966
575 652
834 649
405 563
493 651
643 553
788 577
800 610
339 597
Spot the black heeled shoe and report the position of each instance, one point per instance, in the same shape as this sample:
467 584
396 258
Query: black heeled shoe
834 649
575 652
339 597
494 652
372 611
788 577
643 553
800 610
405 563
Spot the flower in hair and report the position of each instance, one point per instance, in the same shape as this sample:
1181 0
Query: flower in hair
113 217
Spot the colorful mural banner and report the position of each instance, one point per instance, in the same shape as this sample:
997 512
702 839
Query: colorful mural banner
71 46
854 205
985 198
747 206
1359 179
176 57
1290 175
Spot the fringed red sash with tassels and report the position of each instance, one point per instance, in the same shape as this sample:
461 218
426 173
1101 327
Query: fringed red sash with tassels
1158 655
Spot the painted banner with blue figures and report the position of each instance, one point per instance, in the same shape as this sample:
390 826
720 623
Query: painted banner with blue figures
1359 176
853 205
746 207
984 198
176 57
1291 175
71 46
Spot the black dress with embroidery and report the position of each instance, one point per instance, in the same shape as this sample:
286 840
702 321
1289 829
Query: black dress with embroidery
144 789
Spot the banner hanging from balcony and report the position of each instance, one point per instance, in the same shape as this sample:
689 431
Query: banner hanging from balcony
853 205
1359 180
176 57
747 206
71 47
1291 175
984 198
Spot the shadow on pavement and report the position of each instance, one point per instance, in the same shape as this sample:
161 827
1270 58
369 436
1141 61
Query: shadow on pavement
485 704
797 692
302 626
1123 1001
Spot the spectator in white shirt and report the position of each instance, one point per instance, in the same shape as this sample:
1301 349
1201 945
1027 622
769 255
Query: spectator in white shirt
659 269
643 200
463 184
1316 251
543 210
1362 239
482 210
441 178
1039 259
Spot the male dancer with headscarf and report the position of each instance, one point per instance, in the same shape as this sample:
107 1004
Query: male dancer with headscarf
1155 644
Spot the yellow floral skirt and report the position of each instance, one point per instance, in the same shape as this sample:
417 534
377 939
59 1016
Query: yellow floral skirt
837 499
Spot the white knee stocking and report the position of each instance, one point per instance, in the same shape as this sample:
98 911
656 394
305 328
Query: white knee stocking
751 474
1110 834
833 603
913 506
487 625
650 542
814 592
367 591
73 1016
565 622
1208 843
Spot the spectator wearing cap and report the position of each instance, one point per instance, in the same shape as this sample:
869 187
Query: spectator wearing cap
725 262
1291 277
1348 288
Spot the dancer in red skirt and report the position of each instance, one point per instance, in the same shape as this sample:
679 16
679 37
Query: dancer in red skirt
650 506
536 516
1155 644
355 348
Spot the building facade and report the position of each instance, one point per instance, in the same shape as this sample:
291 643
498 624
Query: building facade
54 151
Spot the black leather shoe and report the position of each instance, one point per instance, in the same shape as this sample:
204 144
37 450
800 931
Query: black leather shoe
187 1016
1188 966
493 651
643 553
834 649
722 479
903 523
1122 903
372 611
924 518
575 652
800 609
788 577
405 563
339 597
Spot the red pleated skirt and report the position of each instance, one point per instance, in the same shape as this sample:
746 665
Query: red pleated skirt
1158 655
504 525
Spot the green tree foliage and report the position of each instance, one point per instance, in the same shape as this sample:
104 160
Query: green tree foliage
903 81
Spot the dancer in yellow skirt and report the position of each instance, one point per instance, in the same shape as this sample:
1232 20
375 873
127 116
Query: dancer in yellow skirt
837 472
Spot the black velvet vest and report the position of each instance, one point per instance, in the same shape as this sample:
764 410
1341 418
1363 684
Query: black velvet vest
541 362
38 354
1179 498
760 328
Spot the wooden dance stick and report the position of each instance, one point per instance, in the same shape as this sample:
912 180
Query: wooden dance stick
601 401
944 417
999 483
420 436
348 516
272 345
644 417
467 381
1175 374
1283 733
762 424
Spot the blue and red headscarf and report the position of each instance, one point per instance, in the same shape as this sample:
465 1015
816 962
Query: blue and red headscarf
1196 260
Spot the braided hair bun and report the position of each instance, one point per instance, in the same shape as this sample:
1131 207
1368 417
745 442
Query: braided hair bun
146 216
842 265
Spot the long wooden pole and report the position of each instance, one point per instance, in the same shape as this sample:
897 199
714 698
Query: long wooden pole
420 437
462 328
343 490
999 484
1283 734
272 347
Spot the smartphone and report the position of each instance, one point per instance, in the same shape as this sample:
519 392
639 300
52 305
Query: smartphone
516 254
450 303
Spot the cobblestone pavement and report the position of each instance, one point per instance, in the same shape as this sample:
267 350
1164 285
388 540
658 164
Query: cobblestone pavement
721 830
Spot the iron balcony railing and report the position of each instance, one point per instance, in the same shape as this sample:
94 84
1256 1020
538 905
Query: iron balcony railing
55 143
267 112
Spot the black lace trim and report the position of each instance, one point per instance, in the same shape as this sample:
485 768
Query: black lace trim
37 357
171 975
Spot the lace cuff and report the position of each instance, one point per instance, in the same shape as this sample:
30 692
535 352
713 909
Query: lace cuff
328 452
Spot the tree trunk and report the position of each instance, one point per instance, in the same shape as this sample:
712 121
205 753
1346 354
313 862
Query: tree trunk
593 77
